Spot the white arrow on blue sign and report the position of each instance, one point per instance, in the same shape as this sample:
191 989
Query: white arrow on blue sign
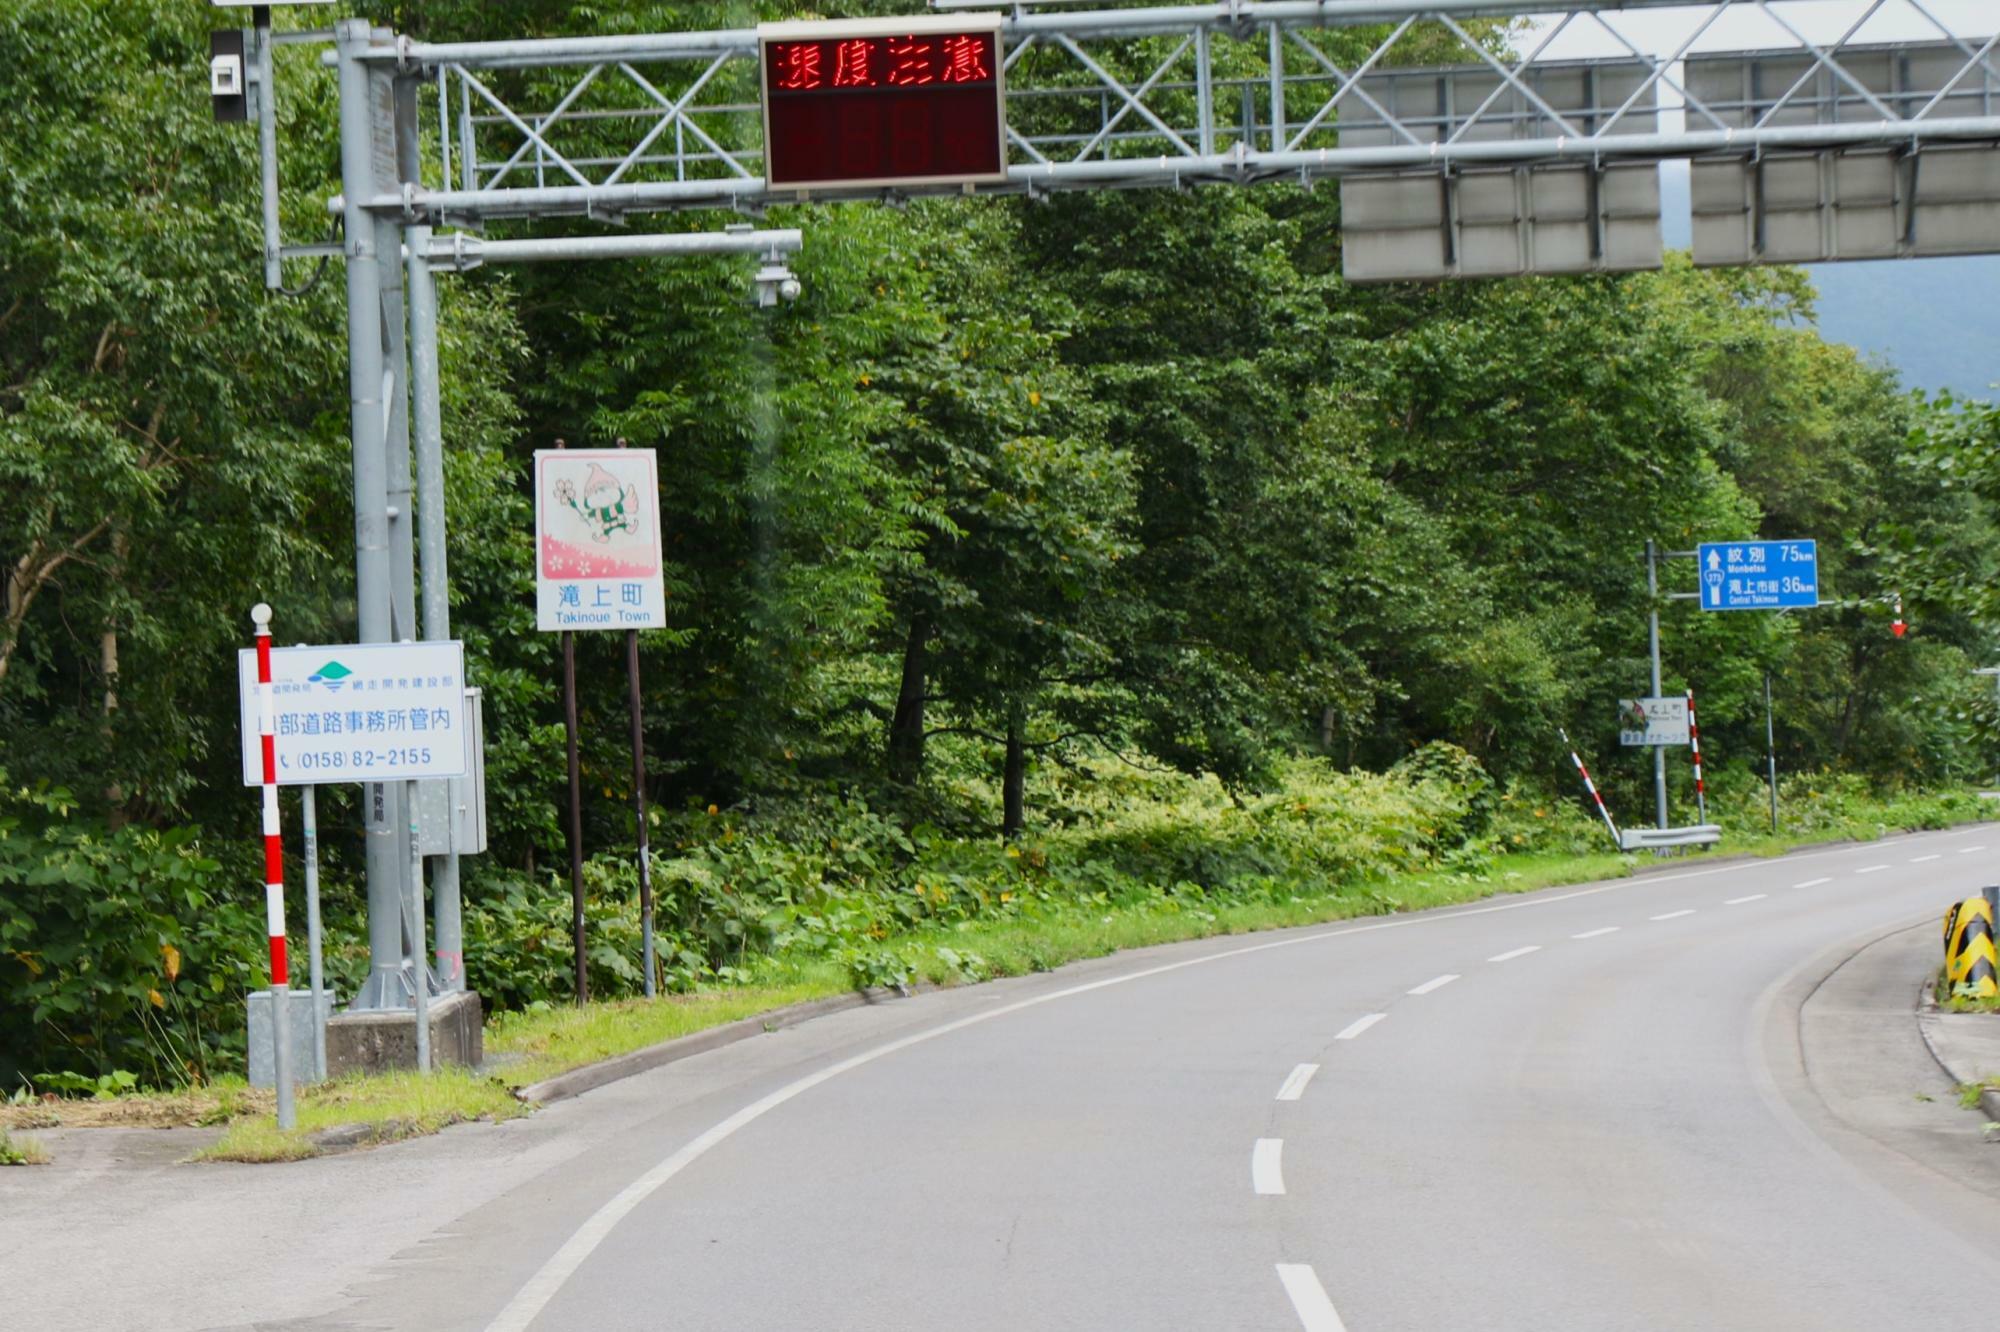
1758 575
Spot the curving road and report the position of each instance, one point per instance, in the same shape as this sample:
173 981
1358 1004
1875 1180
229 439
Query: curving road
1679 1101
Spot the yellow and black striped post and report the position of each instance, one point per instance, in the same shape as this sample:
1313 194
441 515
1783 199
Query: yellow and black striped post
1971 967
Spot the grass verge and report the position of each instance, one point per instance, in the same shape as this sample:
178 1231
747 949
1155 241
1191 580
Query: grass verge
21 1151
389 1105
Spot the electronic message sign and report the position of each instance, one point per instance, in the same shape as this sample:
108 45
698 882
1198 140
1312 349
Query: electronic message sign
870 103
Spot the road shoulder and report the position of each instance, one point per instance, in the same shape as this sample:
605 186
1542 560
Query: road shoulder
1841 1043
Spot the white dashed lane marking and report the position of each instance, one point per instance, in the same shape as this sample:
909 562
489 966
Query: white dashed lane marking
1918 860
1316 1312
1295 1085
1518 952
1435 983
1673 915
1592 934
1265 1174
1739 901
1812 883
1359 1025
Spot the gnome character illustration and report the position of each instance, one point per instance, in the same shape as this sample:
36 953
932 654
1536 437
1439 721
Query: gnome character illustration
604 507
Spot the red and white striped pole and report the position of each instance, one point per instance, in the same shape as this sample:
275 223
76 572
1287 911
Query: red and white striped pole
1694 742
1591 787
274 874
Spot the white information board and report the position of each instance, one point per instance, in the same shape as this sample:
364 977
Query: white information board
597 540
1653 721
359 712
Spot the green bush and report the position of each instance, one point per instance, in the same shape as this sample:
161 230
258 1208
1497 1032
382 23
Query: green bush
835 880
1831 805
124 954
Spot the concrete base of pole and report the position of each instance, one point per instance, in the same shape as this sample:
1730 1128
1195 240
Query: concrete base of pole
261 1047
374 1041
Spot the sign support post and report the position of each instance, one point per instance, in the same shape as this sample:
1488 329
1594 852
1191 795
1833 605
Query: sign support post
1653 643
420 982
639 806
1771 753
309 818
575 810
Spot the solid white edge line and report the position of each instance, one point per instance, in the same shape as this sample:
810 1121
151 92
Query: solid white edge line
1918 860
1518 952
1359 1025
1435 983
535 1294
1673 915
1870 869
1592 934
1316 1312
1812 883
1266 1175
1739 901
1295 1085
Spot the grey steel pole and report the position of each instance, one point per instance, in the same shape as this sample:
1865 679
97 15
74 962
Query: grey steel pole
1771 752
390 239
427 436
575 813
639 807
396 459
384 986
575 818
309 820
1653 623
639 803
420 981
267 145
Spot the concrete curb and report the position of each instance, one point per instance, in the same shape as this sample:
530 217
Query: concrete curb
1934 1025
580 1080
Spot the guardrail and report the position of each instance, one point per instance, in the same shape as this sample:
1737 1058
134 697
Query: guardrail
1656 839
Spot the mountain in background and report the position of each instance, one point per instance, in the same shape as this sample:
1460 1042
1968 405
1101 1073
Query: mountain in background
1937 321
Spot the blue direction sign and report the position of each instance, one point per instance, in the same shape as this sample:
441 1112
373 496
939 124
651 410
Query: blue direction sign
1758 575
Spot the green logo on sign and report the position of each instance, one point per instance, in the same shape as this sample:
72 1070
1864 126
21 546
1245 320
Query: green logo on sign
331 675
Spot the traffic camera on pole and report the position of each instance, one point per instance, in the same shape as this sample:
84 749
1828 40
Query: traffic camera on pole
229 76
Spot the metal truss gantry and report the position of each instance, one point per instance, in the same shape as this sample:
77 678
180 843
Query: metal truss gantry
1238 92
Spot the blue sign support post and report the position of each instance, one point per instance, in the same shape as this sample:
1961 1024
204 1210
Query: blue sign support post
1758 575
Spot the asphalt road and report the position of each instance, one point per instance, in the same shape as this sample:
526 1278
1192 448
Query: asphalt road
1690 1100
